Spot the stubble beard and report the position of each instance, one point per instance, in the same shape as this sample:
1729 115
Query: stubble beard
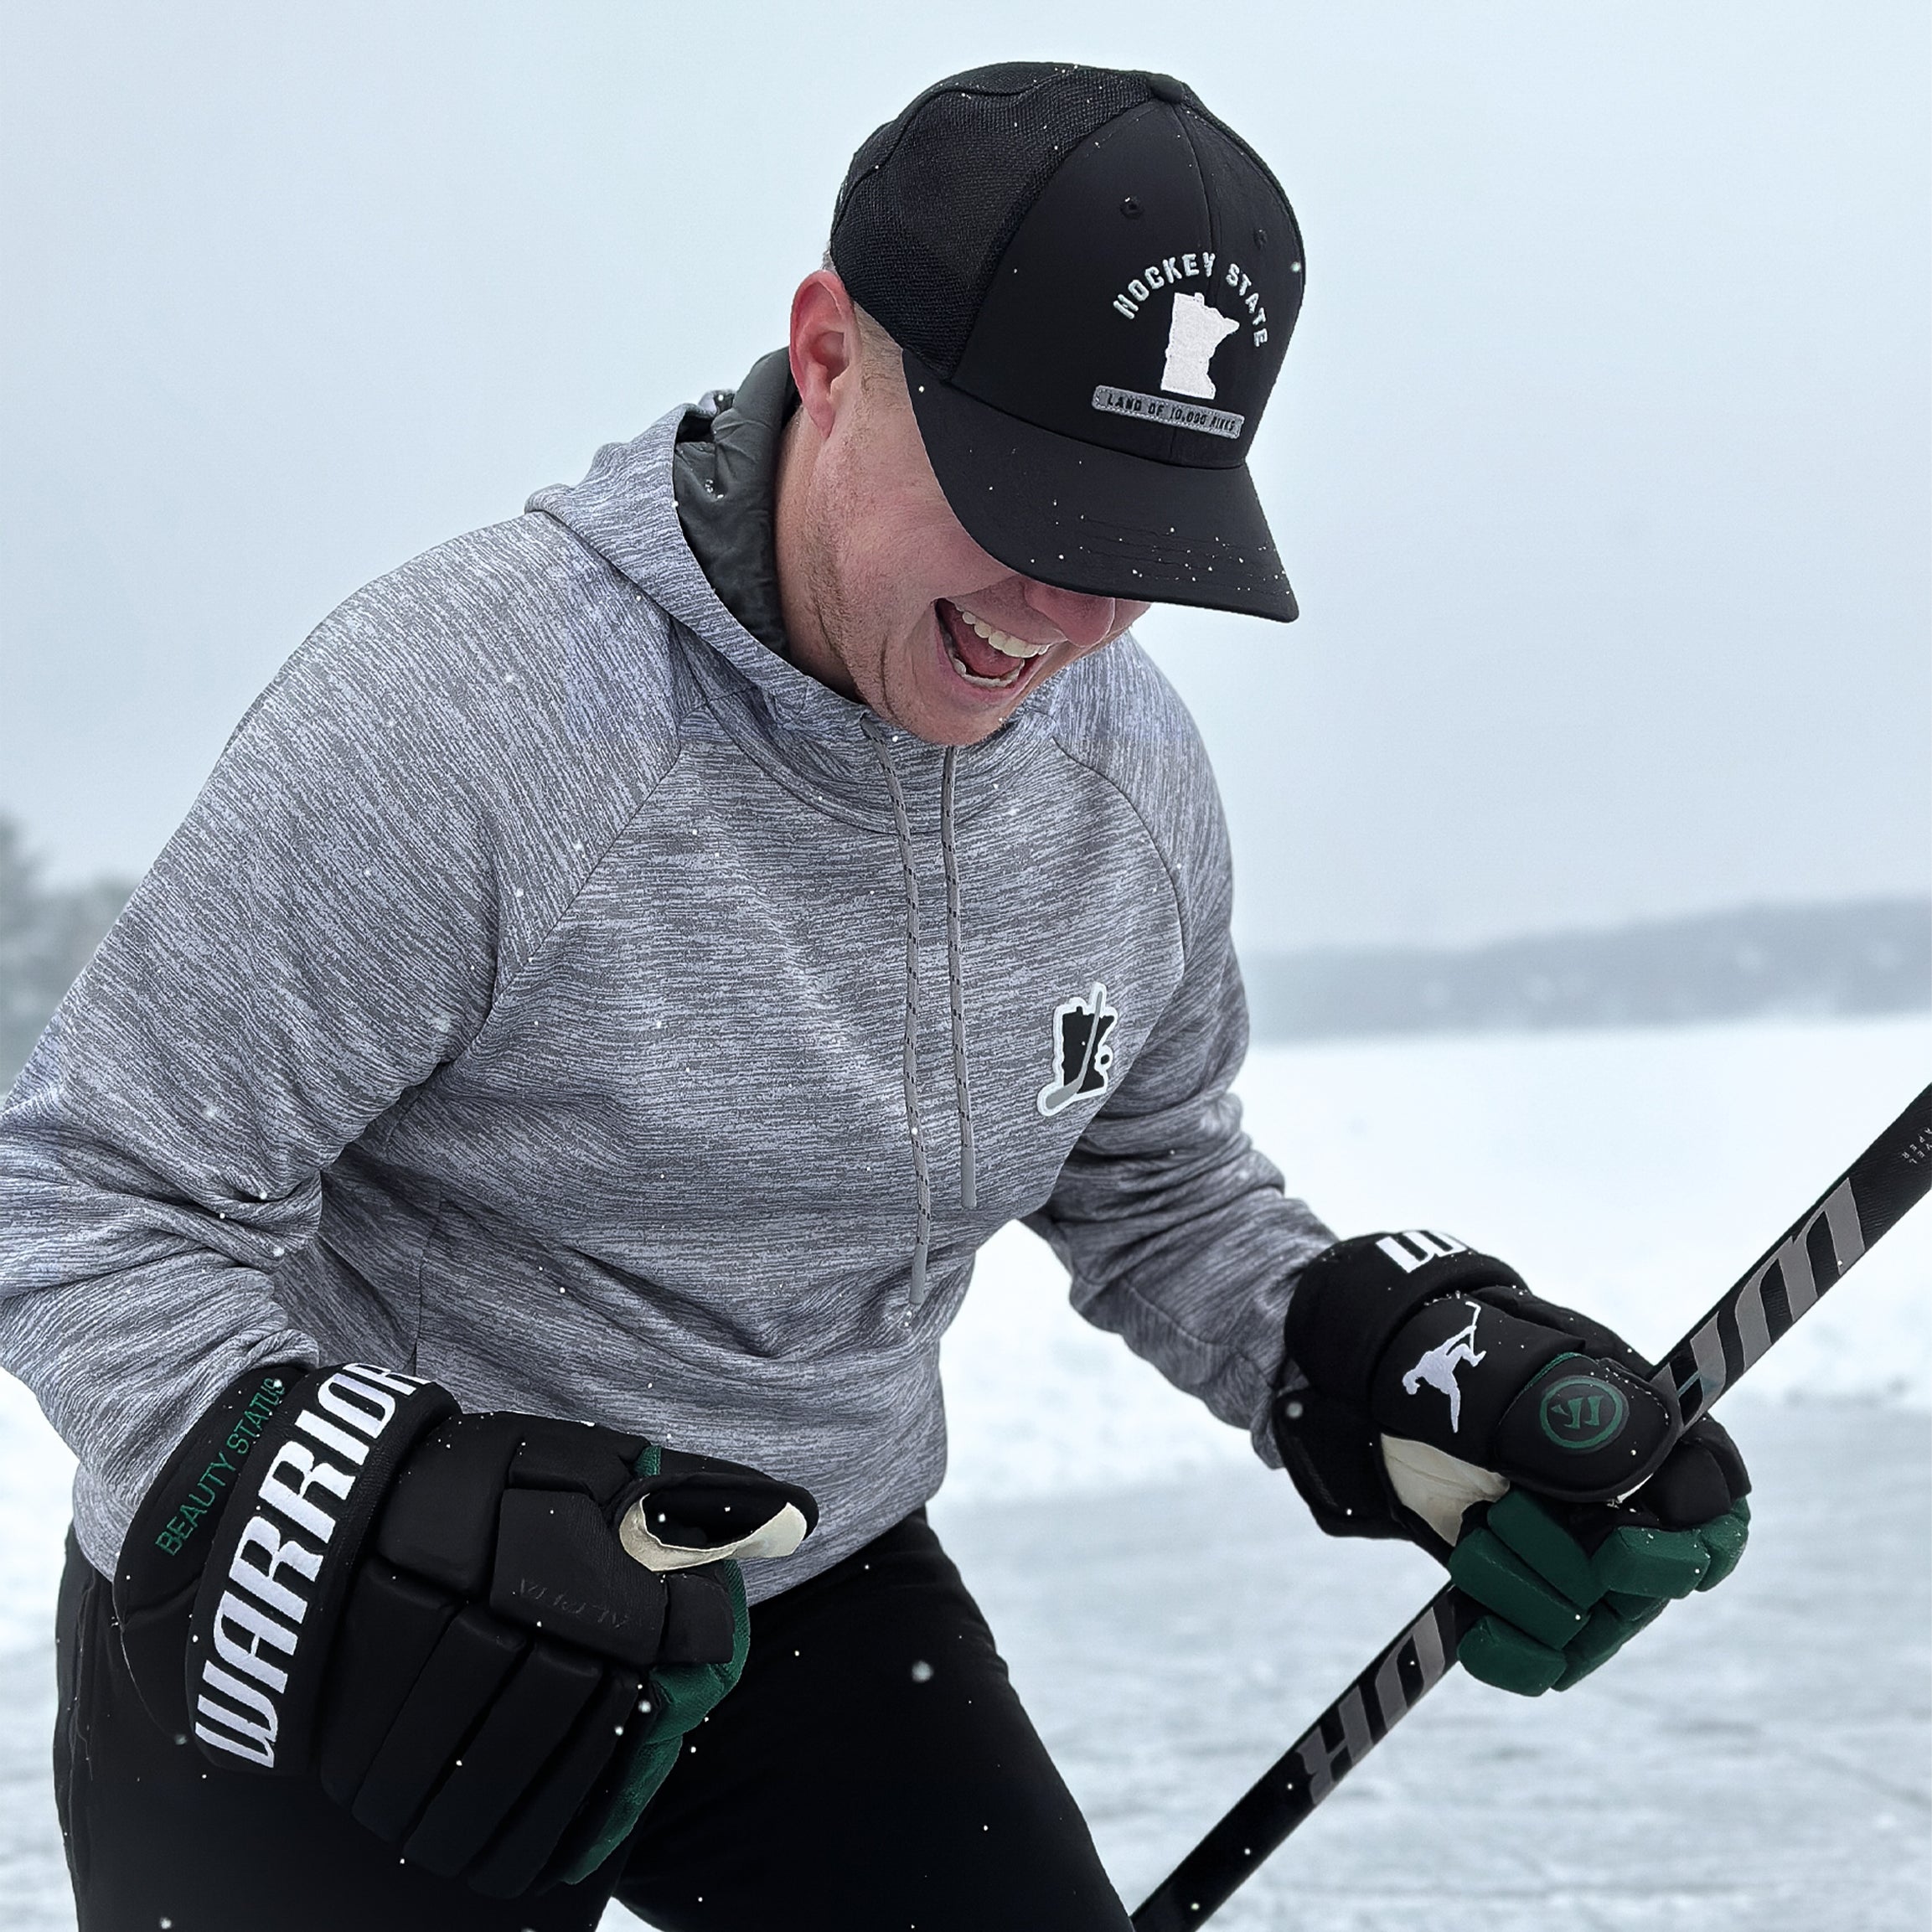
841 607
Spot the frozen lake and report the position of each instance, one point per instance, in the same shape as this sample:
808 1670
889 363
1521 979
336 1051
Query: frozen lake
1757 1764
1759 1761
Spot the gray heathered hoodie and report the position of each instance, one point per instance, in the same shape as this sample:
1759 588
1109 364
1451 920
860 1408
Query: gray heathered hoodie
555 992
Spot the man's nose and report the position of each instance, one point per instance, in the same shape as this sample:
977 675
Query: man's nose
1081 619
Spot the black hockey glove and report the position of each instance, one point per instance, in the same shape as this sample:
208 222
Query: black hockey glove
486 1635
1428 1394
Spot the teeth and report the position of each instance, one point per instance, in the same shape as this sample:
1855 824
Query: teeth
998 684
1007 646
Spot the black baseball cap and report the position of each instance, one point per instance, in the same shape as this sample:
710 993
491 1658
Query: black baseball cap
1091 280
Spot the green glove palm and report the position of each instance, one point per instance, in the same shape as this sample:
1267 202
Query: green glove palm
1567 1587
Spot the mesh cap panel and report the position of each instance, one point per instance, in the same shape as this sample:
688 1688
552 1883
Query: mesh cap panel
932 198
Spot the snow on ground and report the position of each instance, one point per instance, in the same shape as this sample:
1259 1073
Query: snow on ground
1760 1761
36 1474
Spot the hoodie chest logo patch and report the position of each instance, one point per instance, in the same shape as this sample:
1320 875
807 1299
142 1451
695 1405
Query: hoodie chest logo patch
1082 1051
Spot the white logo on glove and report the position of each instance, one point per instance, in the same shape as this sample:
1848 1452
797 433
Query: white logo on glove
1437 1367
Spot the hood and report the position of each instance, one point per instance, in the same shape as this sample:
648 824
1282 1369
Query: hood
725 475
804 733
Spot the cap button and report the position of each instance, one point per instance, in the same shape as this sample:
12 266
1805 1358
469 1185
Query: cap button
1165 87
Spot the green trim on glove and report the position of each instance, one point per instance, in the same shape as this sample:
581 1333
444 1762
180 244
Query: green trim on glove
1652 1562
1725 1539
1558 1611
1499 1654
1636 1611
679 1698
1484 1567
1546 1545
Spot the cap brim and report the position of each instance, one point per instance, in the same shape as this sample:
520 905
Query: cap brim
1083 517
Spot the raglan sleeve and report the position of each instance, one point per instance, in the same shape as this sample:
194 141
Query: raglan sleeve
318 937
1177 1231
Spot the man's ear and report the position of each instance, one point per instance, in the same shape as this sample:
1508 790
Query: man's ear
825 346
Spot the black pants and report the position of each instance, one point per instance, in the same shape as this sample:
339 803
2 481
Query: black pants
873 1771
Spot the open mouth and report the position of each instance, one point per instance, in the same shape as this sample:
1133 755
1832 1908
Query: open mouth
982 653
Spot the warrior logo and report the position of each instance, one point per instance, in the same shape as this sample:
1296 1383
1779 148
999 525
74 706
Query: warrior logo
1584 1412
1196 330
1082 1051
1438 1365
260 1636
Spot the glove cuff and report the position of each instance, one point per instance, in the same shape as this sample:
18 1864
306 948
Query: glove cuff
1329 1449
165 1551
1351 1300
280 1560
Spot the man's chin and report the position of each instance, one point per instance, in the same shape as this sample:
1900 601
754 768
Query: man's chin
942 712
937 724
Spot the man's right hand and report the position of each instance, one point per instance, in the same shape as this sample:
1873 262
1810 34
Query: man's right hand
1526 1445
486 1635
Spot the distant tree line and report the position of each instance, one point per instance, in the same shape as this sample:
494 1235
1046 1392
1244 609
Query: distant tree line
47 933
1859 956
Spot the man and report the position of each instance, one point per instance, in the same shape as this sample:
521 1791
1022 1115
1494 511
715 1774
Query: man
503 1180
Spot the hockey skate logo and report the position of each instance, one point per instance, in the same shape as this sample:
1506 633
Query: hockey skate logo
1437 1366
1082 1051
1584 1412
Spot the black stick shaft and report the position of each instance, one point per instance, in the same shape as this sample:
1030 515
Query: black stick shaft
1864 1204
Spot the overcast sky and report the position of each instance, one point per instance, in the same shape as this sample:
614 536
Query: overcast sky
1599 460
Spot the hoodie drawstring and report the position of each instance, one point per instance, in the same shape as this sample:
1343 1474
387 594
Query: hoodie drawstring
955 971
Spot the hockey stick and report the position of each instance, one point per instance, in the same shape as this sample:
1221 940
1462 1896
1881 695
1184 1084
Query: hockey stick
1865 1203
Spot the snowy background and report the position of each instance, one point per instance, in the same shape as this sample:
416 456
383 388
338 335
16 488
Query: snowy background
1599 465
1597 462
1759 1761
